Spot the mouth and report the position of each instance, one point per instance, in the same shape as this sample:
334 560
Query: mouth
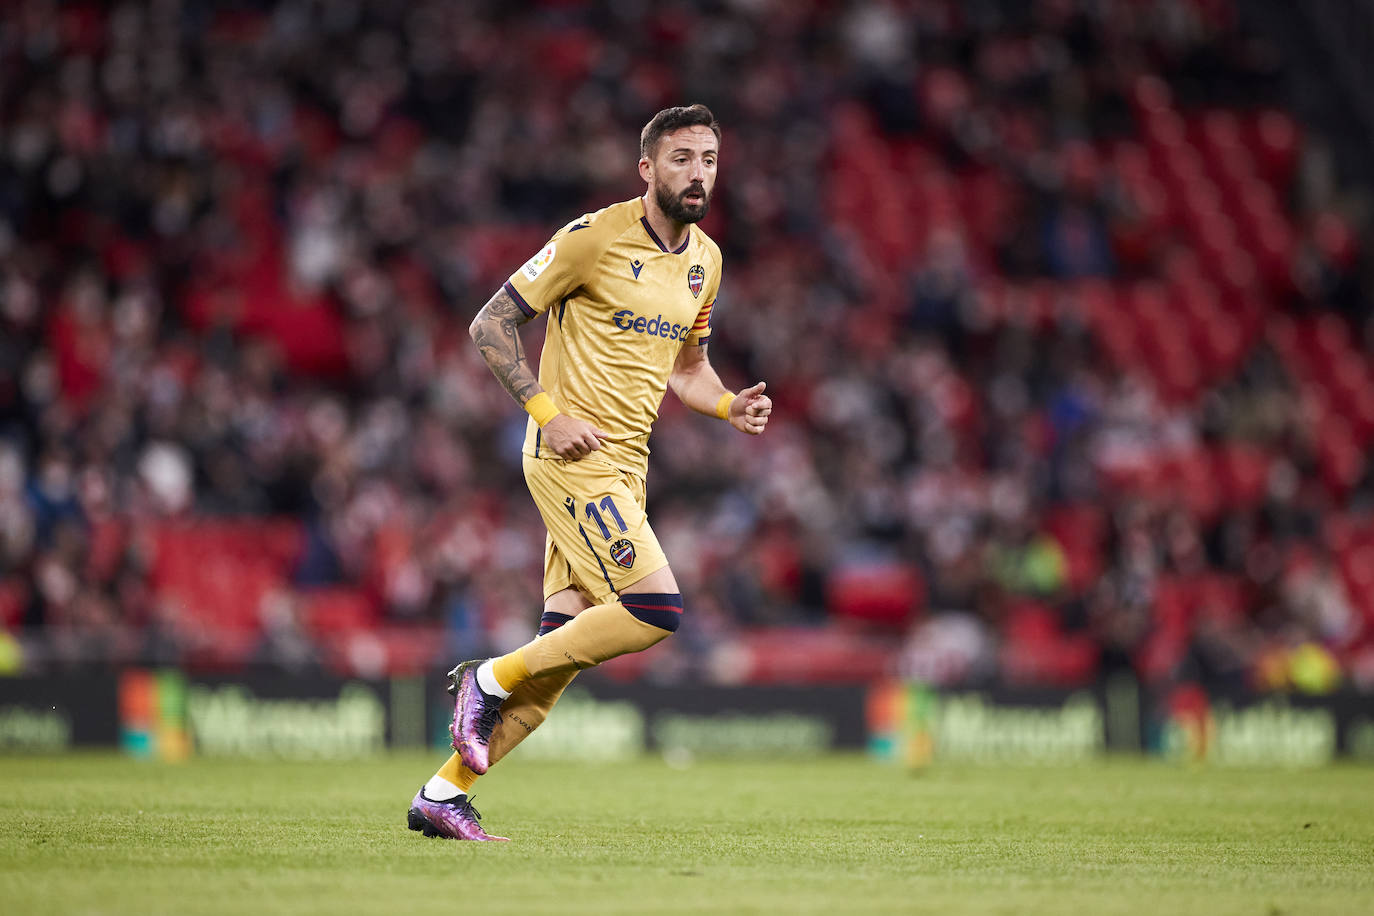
693 196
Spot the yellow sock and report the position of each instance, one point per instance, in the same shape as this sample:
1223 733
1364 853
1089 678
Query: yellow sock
454 771
510 670
525 710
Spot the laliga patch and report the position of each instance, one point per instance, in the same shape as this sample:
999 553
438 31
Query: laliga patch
696 279
535 265
623 552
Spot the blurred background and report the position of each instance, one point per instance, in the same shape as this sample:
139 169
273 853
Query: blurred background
1065 308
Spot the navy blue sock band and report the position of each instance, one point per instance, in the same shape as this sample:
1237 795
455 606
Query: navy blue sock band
662 611
551 621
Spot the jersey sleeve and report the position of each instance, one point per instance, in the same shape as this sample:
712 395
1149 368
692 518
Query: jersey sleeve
701 328
559 268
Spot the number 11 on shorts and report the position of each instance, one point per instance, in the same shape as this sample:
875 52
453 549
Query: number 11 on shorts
608 505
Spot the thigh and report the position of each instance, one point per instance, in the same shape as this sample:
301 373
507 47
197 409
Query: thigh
558 572
600 540
570 601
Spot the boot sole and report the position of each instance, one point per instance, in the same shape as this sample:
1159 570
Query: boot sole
455 676
417 821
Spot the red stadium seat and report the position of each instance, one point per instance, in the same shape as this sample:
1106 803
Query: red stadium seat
1173 605
1274 137
1035 651
1218 597
1243 473
337 610
885 594
1159 656
13 596
219 571
1030 622
1341 461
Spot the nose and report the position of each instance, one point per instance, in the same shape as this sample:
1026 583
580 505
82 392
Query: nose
698 170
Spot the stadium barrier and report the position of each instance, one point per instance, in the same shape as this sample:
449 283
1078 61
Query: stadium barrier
167 714
916 725
170 715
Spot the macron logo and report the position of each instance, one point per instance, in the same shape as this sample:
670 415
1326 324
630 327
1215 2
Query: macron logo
657 326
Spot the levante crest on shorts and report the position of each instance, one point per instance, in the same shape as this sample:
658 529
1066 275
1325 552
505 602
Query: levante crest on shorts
696 279
623 552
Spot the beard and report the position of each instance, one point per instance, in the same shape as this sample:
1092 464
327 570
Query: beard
676 208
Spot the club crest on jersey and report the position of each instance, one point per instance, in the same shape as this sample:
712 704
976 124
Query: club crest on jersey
623 552
696 279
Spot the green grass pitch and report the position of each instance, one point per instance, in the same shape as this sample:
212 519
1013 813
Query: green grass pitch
101 834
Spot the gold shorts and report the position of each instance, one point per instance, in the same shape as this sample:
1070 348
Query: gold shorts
599 537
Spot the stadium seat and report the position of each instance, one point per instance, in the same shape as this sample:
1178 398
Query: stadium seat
1160 654
1243 473
1218 597
793 655
337 610
1274 136
13 595
883 594
219 571
1034 651
1173 605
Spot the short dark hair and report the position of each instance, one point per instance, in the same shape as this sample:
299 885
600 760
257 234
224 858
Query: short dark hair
671 119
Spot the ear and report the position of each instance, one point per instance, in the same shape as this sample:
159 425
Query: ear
646 170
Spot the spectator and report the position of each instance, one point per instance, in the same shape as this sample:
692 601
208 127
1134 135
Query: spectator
239 245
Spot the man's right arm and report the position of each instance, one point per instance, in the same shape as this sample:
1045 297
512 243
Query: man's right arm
496 331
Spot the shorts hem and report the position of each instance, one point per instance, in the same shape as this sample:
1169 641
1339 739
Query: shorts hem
603 596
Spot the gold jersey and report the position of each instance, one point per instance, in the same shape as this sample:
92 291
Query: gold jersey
620 306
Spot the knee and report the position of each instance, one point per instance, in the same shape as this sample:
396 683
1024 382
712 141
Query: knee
662 610
551 621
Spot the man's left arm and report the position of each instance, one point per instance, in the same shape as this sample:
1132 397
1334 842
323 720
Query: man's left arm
696 384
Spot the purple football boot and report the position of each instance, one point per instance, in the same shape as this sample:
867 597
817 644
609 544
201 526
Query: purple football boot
475 714
455 819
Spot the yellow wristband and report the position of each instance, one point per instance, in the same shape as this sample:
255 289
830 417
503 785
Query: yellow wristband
723 405
541 407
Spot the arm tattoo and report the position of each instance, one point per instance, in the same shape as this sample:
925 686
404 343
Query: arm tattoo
496 330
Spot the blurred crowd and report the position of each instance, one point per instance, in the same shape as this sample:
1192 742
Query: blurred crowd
240 244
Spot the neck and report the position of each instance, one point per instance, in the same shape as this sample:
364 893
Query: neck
669 231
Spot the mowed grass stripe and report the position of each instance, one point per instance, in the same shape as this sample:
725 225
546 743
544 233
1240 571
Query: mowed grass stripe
101 834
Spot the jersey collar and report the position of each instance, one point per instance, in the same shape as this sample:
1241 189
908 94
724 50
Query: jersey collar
658 241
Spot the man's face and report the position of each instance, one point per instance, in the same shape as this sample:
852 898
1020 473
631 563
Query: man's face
682 172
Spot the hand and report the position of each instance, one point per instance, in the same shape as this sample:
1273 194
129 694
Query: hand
572 438
750 409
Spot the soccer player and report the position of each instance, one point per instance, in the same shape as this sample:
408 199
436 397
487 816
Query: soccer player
629 292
